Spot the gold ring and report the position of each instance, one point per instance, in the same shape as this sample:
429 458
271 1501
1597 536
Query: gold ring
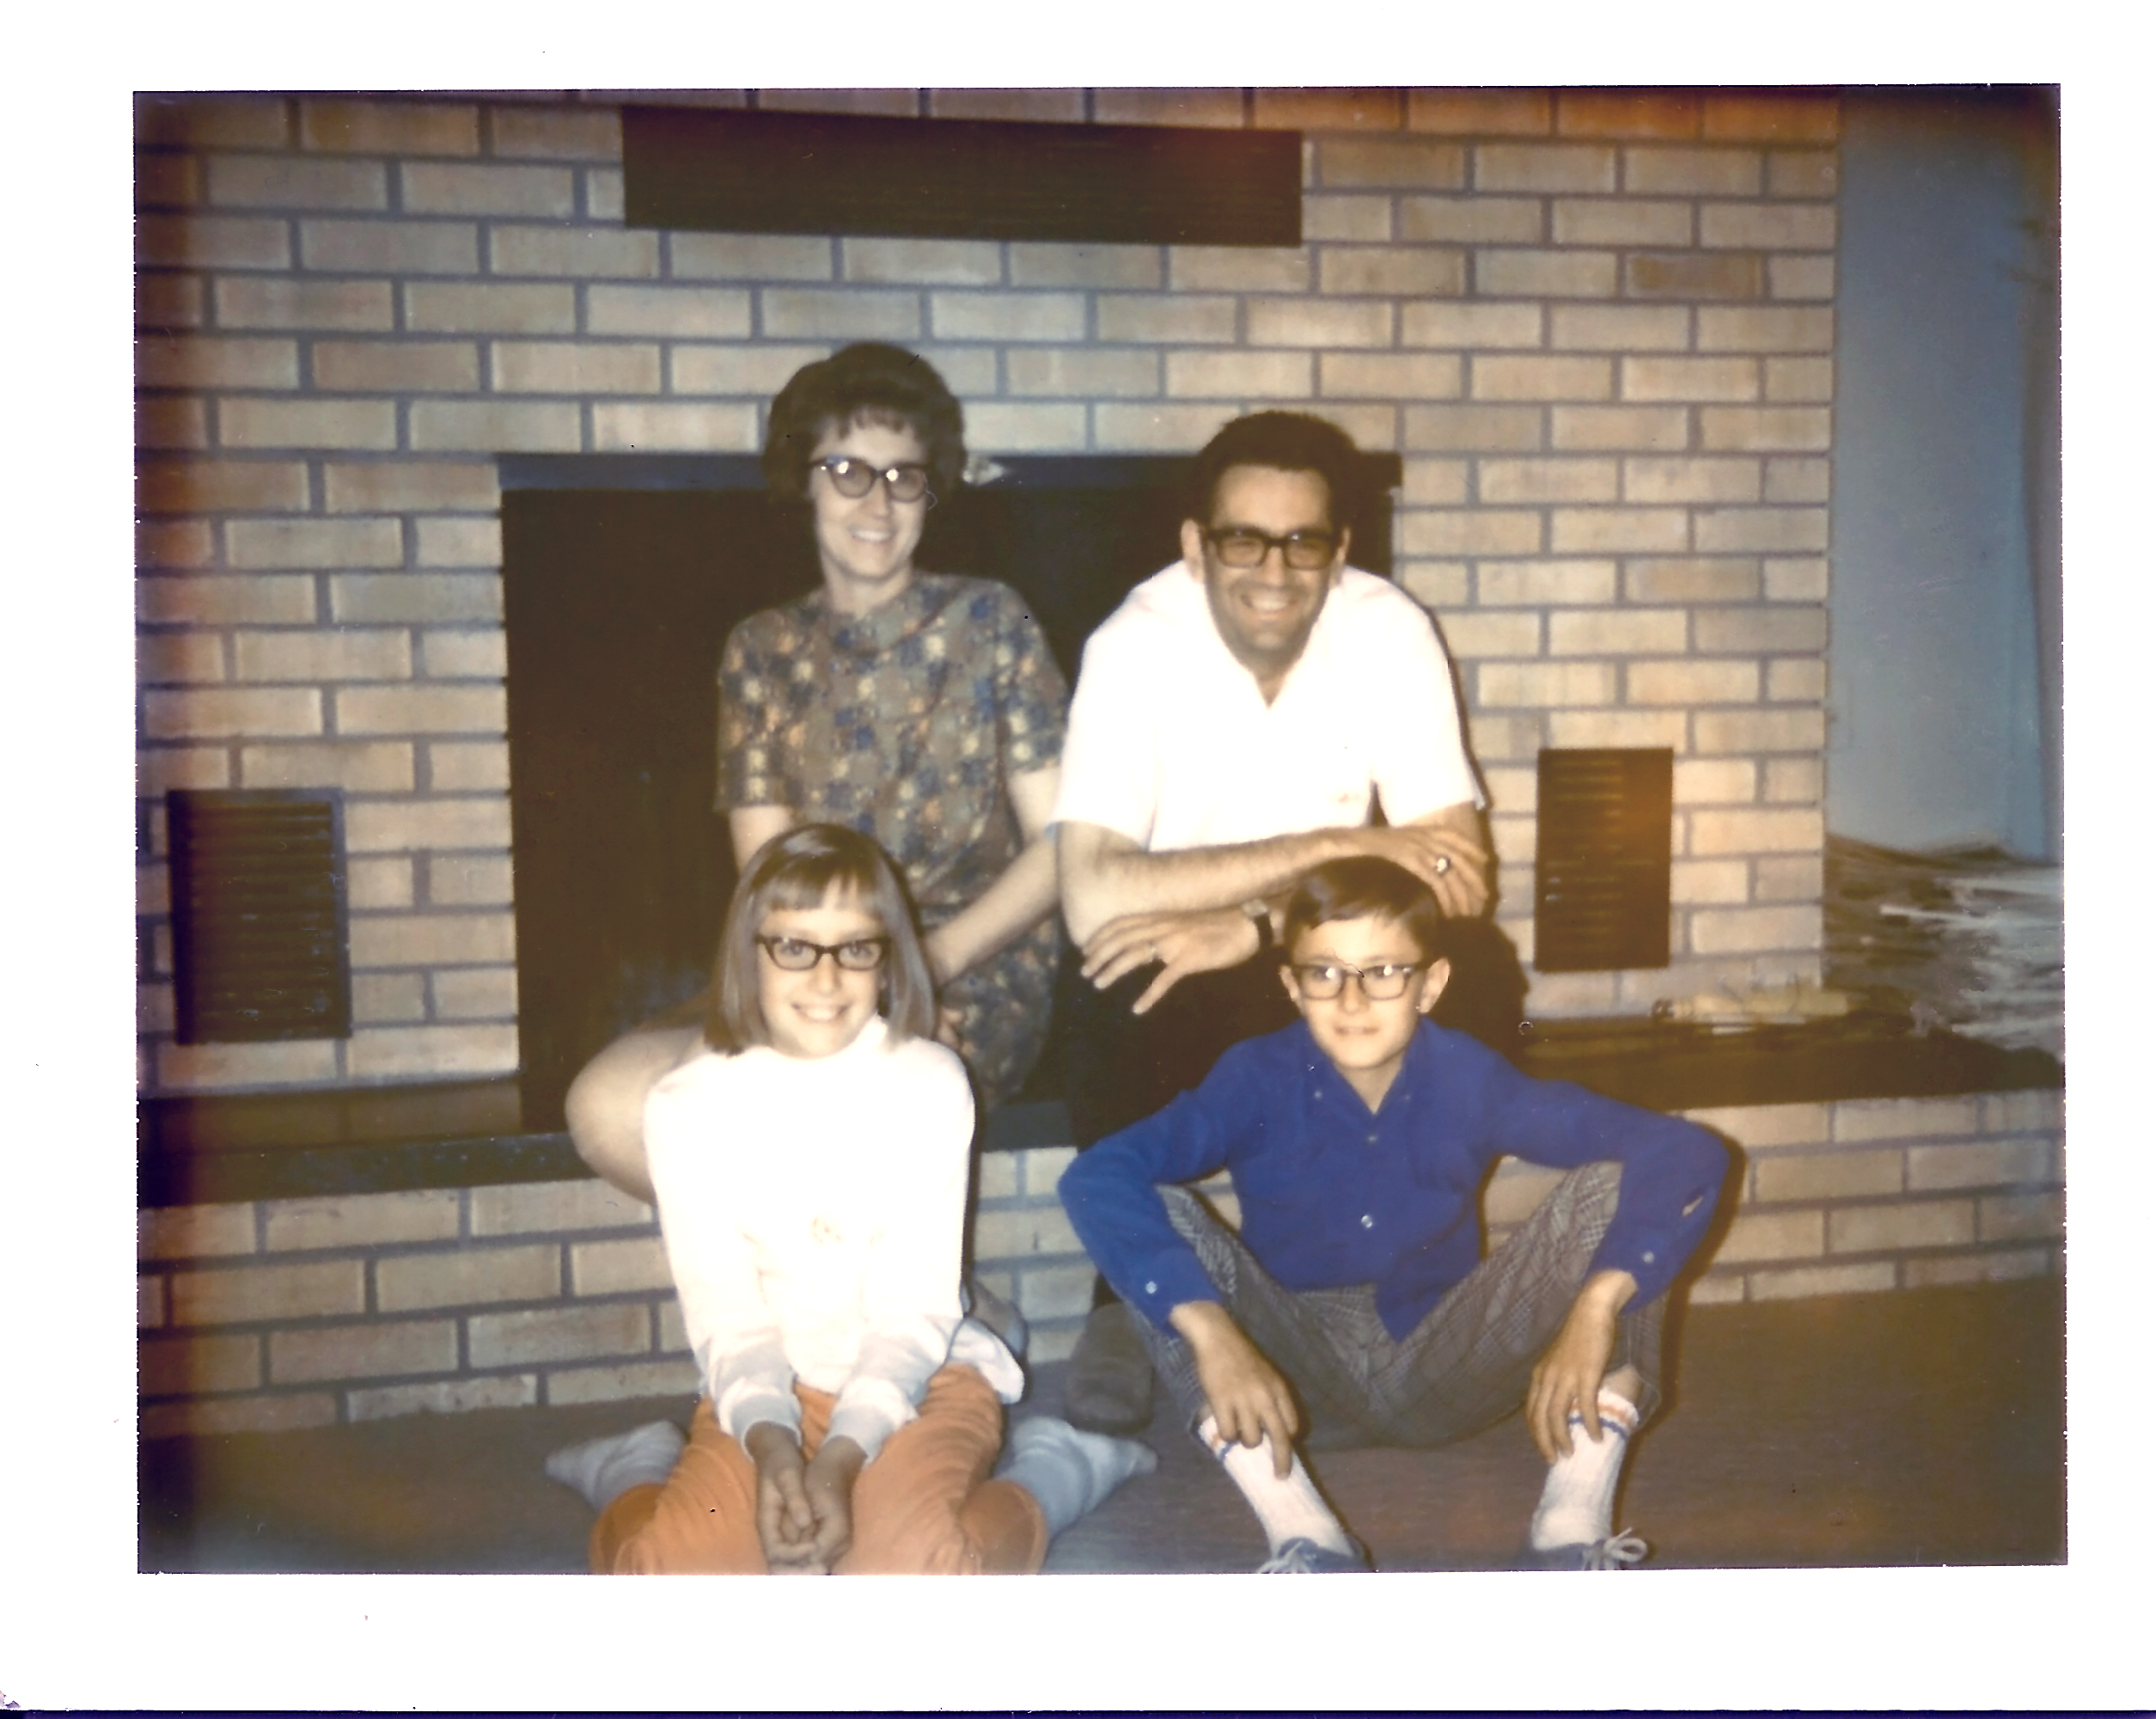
1444 864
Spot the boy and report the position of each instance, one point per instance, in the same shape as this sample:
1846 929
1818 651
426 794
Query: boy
1358 1140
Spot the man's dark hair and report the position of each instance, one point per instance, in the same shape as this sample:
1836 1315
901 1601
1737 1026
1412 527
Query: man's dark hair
1366 887
874 383
1287 442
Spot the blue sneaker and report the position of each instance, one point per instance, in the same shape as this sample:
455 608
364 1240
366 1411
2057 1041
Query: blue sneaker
1302 1557
1619 1551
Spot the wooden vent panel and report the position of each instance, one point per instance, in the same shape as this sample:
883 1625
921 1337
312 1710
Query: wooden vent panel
258 915
1602 859
728 171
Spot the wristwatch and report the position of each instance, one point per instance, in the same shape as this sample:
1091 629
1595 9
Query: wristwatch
1261 912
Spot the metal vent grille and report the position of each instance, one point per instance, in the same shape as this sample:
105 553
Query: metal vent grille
1602 859
753 171
258 915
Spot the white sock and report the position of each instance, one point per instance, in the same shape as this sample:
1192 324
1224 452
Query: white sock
1581 1487
1289 1509
601 1469
1071 1473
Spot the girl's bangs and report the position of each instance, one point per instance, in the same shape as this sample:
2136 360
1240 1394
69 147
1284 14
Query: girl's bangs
810 884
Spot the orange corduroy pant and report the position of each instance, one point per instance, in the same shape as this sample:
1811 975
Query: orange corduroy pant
925 1506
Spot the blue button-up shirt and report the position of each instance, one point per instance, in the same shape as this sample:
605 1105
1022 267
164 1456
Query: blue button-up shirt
1333 1194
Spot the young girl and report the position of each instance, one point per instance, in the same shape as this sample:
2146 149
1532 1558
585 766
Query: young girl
811 1166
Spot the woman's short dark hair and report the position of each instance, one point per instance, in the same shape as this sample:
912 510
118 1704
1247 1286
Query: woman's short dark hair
802 868
1287 442
867 380
1366 887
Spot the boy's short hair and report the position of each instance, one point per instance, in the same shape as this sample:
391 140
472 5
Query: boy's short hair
870 381
800 868
1366 887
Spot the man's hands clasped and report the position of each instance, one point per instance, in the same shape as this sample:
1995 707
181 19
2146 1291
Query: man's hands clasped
1449 854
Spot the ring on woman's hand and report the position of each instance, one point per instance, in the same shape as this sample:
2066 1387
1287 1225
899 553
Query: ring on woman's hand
1444 864
1152 952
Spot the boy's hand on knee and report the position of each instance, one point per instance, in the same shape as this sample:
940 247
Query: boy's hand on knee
1248 1398
785 1522
1569 1378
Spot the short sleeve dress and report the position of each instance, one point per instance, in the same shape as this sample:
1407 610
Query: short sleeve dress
907 723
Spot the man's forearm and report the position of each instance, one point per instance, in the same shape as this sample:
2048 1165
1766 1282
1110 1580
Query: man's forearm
1107 877
1109 884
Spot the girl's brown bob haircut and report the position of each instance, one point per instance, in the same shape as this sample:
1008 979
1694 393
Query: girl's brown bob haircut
1365 887
804 868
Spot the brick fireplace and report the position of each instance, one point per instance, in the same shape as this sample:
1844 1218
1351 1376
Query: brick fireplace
1595 327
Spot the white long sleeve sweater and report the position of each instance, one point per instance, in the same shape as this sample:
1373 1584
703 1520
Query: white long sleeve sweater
814 1211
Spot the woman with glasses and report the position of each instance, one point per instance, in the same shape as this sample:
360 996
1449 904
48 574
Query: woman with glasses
921 708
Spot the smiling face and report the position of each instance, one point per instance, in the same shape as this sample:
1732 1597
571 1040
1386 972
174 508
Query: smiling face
1366 1040
1264 613
865 544
820 1011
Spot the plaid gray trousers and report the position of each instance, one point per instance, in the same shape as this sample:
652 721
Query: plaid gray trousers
1463 1368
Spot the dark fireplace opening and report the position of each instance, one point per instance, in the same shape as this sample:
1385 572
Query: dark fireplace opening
622 577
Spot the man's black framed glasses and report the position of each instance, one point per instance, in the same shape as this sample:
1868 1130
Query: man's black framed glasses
1238 546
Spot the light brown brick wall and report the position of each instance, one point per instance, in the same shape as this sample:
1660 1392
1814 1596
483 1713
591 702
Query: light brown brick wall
1599 328
305 1312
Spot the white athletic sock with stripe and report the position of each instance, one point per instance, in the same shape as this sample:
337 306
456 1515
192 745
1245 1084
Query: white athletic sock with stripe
1289 1509
1581 1487
1069 1472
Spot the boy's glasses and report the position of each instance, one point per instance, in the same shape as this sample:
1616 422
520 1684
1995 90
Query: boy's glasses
854 479
798 955
1238 546
1322 981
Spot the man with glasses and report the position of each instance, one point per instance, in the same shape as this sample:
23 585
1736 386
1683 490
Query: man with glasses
1250 711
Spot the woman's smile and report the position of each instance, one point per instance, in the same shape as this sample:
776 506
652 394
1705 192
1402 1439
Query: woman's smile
865 544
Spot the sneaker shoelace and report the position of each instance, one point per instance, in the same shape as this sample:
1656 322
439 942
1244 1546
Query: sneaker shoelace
1301 1557
1622 1548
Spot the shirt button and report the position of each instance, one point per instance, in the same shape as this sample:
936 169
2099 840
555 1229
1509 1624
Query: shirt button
1370 1138
1153 1289
1367 1224
1648 1257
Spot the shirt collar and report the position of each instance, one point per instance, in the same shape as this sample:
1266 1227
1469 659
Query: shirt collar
1196 610
1417 1076
887 625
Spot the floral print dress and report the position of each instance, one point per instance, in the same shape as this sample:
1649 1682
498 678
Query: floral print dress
906 723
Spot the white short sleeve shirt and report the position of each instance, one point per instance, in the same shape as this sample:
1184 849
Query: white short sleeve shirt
1170 743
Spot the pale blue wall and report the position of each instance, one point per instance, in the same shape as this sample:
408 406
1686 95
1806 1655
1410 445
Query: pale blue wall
1942 691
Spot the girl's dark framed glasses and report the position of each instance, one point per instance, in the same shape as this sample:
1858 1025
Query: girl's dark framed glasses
1322 981
798 955
854 479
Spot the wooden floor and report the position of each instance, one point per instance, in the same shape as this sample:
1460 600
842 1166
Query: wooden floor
1921 1428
